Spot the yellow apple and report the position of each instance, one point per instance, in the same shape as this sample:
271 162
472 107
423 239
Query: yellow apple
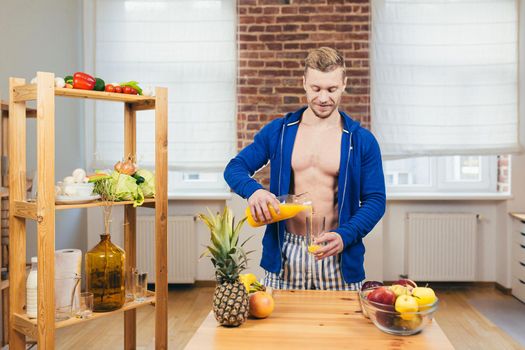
398 289
406 305
424 296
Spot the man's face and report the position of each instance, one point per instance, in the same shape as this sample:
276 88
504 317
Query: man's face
324 90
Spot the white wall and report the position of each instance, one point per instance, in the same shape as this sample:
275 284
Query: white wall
46 36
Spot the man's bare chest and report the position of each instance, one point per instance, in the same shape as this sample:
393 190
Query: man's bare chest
317 149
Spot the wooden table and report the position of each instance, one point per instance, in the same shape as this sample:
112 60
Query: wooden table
313 320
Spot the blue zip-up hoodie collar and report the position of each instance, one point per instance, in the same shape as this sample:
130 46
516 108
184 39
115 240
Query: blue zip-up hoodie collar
294 118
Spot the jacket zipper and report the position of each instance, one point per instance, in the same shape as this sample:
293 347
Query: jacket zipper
343 201
278 194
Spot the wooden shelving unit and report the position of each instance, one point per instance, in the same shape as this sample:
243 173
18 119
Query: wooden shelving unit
43 210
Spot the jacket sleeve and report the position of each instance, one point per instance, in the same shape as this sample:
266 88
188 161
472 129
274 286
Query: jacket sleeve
239 171
372 196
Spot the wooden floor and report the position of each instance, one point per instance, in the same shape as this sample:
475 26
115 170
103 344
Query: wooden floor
188 306
467 328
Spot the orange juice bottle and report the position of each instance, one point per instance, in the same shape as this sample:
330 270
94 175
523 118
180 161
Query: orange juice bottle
287 210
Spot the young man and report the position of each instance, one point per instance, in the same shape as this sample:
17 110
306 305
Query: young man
320 150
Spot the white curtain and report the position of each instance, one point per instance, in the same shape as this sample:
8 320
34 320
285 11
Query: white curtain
187 46
444 77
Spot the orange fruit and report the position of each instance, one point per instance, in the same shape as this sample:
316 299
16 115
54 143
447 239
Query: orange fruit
261 304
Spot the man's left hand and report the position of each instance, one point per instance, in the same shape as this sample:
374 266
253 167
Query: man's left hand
331 244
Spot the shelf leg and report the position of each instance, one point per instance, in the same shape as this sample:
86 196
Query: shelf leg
130 216
17 226
130 246
45 204
161 218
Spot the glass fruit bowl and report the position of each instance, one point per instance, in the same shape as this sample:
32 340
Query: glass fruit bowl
388 320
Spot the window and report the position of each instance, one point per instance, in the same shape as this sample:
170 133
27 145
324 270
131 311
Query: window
444 92
188 47
462 174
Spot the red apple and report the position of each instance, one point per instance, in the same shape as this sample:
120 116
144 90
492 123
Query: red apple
371 284
382 295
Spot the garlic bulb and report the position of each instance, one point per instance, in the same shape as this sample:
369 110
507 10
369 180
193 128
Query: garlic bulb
79 175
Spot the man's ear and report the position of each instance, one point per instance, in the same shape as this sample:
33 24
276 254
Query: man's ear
345 80
304 82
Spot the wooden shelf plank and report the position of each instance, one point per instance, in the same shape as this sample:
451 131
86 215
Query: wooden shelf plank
148 202
24 209
145 102
28 326
24 93
30 112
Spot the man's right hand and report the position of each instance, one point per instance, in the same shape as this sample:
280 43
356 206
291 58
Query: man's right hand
259 202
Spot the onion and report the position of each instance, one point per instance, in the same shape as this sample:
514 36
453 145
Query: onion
127 167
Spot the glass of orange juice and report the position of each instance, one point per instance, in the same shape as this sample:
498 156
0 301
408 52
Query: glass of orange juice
315 226
290 205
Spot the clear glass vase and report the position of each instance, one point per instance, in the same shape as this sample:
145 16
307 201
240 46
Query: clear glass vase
105 275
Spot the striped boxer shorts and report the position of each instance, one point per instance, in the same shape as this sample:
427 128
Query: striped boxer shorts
302 271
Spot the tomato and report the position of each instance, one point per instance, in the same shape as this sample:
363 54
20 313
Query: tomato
126 90
118 89
110 88
133 91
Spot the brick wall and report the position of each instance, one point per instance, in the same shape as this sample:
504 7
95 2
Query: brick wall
274 37
503 174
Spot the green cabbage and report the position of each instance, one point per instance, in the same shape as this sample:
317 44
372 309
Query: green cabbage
148 186
125 188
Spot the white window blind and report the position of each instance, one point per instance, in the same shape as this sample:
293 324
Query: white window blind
444 77
188 47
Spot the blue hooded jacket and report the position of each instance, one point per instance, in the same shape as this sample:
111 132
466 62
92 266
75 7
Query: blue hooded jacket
361 186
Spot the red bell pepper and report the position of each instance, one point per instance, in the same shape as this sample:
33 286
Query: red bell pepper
83 81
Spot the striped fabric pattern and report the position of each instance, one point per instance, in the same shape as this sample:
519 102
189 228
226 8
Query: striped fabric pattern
302 271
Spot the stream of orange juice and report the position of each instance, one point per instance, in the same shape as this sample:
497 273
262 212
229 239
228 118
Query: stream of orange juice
287 210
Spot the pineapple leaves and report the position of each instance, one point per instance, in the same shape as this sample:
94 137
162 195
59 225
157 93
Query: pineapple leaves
227 255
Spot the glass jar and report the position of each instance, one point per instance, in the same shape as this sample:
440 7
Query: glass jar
105 275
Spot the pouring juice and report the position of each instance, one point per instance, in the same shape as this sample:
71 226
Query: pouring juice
290 206
286 211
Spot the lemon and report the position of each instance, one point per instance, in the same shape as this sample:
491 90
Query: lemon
312 248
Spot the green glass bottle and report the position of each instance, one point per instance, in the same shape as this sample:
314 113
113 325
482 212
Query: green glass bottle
105 271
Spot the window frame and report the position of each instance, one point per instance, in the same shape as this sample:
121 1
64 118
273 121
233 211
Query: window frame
438 167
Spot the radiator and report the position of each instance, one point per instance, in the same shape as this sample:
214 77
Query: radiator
441 246
182 246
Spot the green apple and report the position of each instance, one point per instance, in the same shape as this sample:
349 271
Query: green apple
406 305
424 296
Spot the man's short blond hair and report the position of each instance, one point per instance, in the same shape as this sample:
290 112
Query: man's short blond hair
324 59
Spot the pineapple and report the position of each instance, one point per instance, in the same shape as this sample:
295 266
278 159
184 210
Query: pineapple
230 300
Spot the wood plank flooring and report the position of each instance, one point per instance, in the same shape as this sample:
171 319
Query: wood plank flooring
462 323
